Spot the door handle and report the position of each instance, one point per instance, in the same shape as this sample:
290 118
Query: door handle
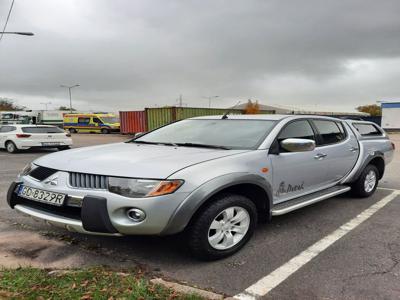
353 149
320 156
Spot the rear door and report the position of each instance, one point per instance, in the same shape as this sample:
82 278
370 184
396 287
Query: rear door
338 147
296 173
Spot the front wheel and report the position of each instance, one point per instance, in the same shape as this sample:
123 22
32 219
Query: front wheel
367 183
105 130
223 227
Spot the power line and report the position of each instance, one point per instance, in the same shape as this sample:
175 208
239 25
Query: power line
8 17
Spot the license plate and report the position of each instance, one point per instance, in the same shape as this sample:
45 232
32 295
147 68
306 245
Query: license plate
50 144
41 196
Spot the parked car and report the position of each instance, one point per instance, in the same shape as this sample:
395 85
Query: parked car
211 177
14 137
103 123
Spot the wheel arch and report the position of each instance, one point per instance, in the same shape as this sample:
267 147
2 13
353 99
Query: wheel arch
254 187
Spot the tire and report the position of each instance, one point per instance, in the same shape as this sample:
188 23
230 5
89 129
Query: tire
64 148
105 130
11 147
361 188
200 231
72 130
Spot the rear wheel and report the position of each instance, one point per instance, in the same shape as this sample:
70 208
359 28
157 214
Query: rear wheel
367 183
11 147
105 130
72 130
223 227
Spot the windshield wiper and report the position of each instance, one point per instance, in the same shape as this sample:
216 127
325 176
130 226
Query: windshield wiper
203 146
155 143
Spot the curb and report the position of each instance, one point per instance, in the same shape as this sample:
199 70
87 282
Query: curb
184 289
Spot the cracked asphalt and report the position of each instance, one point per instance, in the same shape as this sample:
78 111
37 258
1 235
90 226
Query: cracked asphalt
362 265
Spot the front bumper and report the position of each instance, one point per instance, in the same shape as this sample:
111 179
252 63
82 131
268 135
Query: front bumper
101 212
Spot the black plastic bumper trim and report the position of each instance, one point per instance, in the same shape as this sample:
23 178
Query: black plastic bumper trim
11 196
94 215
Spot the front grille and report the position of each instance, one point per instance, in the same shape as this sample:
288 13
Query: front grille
88 181
41 173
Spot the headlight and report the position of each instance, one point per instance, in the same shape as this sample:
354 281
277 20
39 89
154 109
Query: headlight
139 188
27 169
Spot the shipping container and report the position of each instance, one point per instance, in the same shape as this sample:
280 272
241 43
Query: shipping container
157 117
132 122
152 118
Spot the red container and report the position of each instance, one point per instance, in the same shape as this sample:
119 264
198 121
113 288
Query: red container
132 122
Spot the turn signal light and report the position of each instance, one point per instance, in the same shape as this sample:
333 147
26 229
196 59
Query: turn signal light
21 135
165 187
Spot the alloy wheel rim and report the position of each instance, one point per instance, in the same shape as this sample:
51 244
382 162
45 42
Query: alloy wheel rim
228 228
370 181
10 147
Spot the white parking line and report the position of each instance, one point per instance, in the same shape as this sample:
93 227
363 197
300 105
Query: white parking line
269 282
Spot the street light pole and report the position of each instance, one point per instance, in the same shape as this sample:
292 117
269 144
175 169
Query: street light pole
45 103
69 91
209 100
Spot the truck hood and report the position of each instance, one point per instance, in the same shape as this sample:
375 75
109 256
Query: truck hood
130 159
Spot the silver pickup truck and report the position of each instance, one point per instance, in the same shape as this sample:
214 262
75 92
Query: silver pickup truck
212 178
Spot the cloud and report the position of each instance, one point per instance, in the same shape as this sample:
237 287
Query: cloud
132 54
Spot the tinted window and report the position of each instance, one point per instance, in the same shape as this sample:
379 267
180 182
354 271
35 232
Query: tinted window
298 129
7 128
235 134
41 130
329 131
83 120
367 129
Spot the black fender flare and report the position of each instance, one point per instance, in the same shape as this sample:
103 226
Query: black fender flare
187 209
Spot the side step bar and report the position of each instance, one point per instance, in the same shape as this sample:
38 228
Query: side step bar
291 205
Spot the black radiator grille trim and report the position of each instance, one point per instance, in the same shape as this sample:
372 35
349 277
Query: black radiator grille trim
41 173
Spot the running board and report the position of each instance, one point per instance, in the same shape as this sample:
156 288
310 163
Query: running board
297 203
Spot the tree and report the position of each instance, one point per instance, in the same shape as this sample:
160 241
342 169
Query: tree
7 104
372 109
66 108
252 108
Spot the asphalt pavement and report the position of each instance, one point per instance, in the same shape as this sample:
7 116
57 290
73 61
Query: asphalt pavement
364 263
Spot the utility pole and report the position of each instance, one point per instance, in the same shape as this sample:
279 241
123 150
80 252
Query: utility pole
69 90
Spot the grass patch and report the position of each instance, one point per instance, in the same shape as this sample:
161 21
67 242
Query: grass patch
85 284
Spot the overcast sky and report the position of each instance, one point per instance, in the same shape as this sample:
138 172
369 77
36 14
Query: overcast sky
126 55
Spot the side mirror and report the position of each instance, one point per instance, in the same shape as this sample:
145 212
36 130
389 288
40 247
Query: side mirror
298 145
138 134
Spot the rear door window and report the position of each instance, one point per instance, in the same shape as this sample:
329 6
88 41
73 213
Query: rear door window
367 129
329 131
41 130
84 120
4 129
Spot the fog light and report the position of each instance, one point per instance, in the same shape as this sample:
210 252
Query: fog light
136 214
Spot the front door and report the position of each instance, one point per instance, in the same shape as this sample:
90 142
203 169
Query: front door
296 173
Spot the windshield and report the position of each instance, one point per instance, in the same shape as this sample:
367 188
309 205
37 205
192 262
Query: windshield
42 130
110 119
232 134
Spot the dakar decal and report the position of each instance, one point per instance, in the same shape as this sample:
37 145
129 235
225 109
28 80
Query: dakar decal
284 189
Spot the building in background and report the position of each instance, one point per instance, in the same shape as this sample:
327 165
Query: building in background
390 115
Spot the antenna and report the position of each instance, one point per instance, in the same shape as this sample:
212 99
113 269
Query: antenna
225 116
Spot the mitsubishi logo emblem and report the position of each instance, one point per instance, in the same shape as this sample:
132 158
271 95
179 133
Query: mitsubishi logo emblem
52 181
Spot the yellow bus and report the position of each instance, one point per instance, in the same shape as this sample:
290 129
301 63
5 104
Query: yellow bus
103 123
